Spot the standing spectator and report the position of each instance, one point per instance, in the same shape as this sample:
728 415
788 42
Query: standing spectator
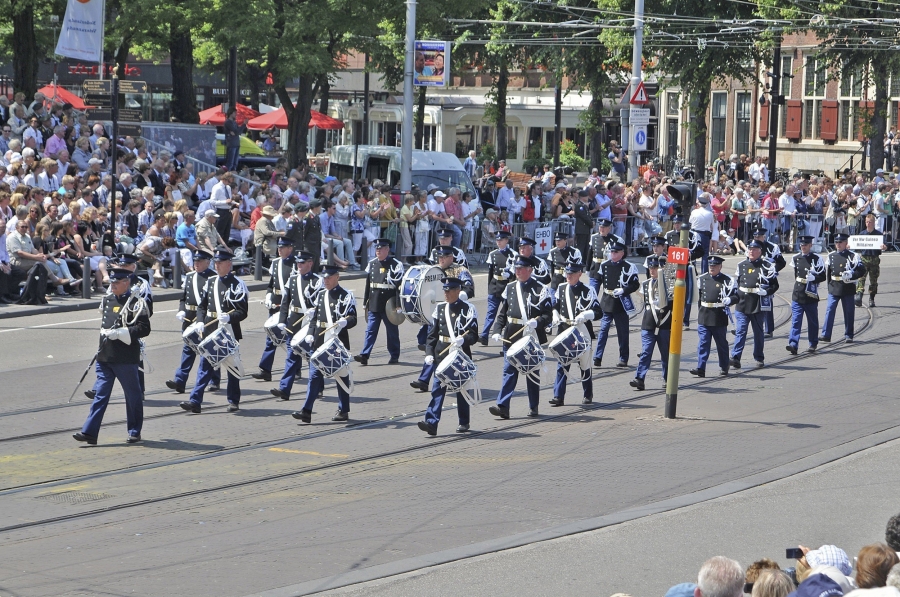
186 239
470 164
471 210
343 247
407 218
758 171
618 160
233 132
265 237
422 213
222 201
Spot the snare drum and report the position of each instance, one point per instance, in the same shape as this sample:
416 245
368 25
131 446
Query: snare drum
526 355
331 358
193 335
455 371
420 291
299 344
569 346
218 346
277 335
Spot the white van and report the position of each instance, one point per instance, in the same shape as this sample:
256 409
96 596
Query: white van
382 162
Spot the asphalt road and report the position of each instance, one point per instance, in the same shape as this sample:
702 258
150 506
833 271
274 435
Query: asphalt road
221 504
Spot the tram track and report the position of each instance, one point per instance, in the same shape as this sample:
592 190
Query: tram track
446 441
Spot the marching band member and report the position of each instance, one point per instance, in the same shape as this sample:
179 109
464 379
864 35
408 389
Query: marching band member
191 294
809 268
541 269
673 239
498 277
525 302
716 294
124 320
455 325
451 269
599 251
445 237
224 303
335 313
771 252
656 324
843 268
575 303
384 274
560 256
282 268
297 304
619 279
659 246
756 283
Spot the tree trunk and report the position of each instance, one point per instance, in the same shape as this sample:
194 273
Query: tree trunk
419 119
184 98
122 56
24 49
879 121
502 86
595 141
698 130
324 89
298 119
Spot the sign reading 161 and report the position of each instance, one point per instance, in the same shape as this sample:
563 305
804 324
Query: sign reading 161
679 255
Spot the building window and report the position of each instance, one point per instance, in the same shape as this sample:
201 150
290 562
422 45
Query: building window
813 89
512 142
719 115
850 93
429 137
786 66
672 104
744 111
465 140
815 78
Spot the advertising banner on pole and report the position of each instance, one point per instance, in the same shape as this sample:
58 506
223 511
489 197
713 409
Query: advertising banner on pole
81 36
432 64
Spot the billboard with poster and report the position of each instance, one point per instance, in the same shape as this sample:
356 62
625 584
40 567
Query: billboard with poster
432 64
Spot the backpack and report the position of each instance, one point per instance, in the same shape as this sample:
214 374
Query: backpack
528 212
35 292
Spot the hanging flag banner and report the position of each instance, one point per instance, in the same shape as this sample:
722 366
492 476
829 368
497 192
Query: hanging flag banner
81 36
432 64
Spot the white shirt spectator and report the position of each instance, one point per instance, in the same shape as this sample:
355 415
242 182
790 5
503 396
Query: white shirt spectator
209 184
505 198
787 204
48 182
34 133
221 195
204 206
279 223
702 219
759 172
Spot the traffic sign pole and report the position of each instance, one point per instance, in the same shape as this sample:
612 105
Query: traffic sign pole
113 150
681 256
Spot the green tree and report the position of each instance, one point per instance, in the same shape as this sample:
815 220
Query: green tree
26 36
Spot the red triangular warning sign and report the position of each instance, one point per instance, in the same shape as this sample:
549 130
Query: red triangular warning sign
639 97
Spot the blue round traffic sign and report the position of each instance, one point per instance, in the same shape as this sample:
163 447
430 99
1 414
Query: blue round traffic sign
640 137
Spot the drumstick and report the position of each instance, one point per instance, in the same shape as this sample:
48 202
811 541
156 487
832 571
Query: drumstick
322 333
217 319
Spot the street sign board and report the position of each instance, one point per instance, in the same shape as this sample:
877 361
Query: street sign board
678 256
640 95
864 241
104 87
639 138
101 113
543 237
98 101
639 116
131 114
130 130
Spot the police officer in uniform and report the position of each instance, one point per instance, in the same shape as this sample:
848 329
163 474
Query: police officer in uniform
455 324
871 258
445 237
809 268
843 268
334 314
560 256
498 277
124 320
191 295
673 239
295 225
541 269
599 251
298 302
282 268
656 324
771 252
451 269
575 303
223 303
384 274
757 283
619 279
538 314
717 292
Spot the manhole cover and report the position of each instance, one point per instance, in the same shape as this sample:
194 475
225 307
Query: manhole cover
74 497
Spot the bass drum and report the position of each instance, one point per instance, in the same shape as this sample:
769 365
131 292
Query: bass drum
420 291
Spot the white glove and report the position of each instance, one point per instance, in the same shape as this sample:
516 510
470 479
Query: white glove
463 296
309 339
458 341
180 315
726 301
281 326
810 277
846 276
618 292
505 274
497 338
556 317
761 291
585 316
429 360
342 322
268 302
120 334
224 318
309 312
532 323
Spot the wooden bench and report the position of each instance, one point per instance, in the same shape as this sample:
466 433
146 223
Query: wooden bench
520 180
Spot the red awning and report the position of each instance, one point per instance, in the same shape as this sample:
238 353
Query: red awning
216 116
278 119
60 95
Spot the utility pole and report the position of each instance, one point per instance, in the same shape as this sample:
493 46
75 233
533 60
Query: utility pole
636 64
557 121
406 135
777 100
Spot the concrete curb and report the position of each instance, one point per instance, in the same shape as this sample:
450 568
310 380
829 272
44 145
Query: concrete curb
591 524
